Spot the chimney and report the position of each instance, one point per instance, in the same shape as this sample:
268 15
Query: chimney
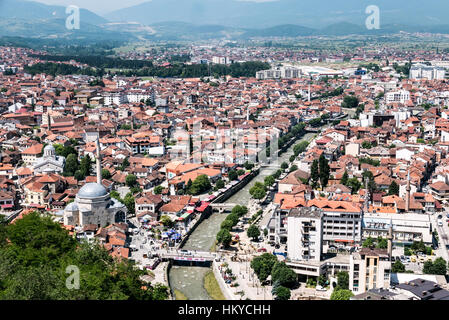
97 143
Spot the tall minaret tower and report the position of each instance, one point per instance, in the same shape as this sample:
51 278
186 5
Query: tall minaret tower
308 94
407 196
97 143
48 121
366 196
390 238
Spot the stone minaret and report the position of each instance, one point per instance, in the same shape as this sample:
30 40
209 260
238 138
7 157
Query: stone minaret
390 239
97 143
407 196
48 121
366 196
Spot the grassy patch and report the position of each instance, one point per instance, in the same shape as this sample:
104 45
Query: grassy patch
179 295
212 287
214 247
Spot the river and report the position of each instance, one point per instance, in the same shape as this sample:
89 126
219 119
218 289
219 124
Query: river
189 280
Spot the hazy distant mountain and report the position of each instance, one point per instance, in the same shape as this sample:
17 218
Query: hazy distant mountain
310 13
230 19
30 10
34 19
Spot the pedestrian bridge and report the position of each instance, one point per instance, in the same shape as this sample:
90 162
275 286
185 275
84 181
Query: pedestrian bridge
222 207
189 256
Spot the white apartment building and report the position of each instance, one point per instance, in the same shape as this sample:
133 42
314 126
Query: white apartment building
401 96
407 227
221 60
422 71
279 73
135 96
114 98
304 229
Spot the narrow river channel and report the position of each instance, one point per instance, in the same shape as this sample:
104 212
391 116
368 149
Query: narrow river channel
189 280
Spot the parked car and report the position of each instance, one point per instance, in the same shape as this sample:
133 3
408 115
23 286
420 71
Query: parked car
261 250
320 288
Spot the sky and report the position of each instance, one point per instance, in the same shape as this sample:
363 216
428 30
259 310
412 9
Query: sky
105 6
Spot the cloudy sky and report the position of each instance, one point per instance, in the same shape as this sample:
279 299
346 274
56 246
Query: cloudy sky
106 6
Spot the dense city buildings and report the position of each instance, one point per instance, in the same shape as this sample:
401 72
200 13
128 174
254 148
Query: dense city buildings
328 164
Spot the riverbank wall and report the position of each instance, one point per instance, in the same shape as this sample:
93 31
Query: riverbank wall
225 289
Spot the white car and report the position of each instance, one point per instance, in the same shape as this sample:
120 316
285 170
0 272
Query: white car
440 223
320 288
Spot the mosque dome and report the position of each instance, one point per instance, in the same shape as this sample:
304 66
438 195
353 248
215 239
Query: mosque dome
92 190
49 151
72 206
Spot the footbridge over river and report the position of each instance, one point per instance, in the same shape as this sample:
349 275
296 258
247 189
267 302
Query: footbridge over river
186 255
223 207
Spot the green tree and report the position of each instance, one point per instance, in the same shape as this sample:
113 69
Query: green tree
227 225
131 180
86 165
125 164
282 293
382 243
341 294
158 189
324 171
239 210
232 175
79 175
428 267
257 192
130 203
342 280
322 280
344 178
263 264
166 221
393 189
33 266
368 243
200 185
439 266
253 232
269 181
233 217
350 102
105 174
224 237
219 184
314 173
354 184
398 267
71 165
293 168
284 165
284 275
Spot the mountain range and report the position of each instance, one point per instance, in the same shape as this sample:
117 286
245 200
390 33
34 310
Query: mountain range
230 19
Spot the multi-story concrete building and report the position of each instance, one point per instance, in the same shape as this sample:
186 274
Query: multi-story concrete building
304 228
401 96
422 71
369 269
279 73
